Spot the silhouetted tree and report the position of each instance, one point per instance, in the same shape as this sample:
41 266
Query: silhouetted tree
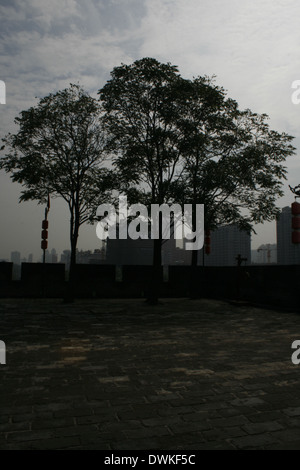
233 161
178 140
140 105
58 150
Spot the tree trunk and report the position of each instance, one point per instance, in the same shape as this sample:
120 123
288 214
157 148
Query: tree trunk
153 294
74 232
195 258
193 273
73 254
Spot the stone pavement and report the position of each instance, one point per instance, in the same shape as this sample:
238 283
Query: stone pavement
121 375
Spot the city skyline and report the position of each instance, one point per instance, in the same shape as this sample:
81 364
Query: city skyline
226 243
281 252
38 254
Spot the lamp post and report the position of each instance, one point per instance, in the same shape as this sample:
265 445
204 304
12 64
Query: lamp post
295 215
239 260
45 224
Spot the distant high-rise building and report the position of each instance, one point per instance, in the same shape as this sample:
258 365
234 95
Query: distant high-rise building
287 252
30 258
265 254
123 252
227 242
140 252
15 257
87 257
65 257
53 256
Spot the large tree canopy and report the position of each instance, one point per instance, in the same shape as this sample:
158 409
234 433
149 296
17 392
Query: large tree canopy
233 163
140 105
178 140
58 150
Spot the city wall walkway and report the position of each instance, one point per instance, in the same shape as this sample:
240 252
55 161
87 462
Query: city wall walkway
122 375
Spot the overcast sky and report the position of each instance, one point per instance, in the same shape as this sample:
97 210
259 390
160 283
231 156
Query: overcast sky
252 46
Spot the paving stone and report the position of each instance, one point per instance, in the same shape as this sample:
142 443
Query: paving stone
22 436
16 409
264 417
290 422
162 421
176 411
191 427
213 406
63 443
11 427
52 423
215 434
147 432
259 441
292 411
294 445
230 412
259 428
137 444
230 421
250 402
199 416
69 431
287 435
94 419
217 445
180 441
96 444
73 412
5 419
234 431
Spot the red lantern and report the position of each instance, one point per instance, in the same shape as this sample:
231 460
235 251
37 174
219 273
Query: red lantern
207 242
296 208
44 244
295 237
296 222
44 234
